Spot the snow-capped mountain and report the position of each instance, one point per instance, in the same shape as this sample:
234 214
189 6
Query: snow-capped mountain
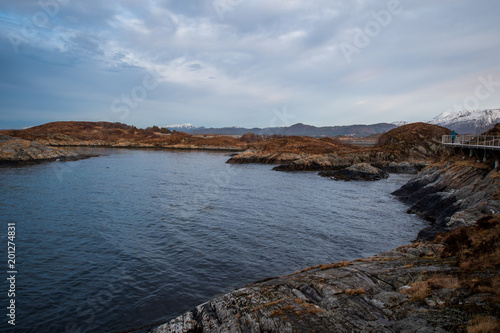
181 127
399 123
471 122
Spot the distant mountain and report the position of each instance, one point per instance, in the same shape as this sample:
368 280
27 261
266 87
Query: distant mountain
468 122
181 127
400 123
297 129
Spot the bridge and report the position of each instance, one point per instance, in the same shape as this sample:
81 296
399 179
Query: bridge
474 144
472 141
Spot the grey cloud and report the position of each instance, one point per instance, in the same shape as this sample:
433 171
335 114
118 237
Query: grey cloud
195 67
264 54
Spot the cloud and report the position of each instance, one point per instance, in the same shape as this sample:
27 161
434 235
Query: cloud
235 68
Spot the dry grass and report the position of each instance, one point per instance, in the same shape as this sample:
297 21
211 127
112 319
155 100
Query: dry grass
402 140
358 291
307 307
342 263
277 313
443 281
268 304
418 291
302 145
475 247
323 267
482 324
66 132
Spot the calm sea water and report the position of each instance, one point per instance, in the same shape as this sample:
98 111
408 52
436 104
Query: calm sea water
134 237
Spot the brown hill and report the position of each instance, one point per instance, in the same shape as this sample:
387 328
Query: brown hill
82 133
494 131
417 140
302 145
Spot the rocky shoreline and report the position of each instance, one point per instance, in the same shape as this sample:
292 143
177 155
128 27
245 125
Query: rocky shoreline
452 196
18 151
382 293
366 295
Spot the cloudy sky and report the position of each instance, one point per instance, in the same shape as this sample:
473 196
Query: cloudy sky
246 62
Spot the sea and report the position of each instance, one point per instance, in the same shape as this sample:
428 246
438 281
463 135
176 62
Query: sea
135 237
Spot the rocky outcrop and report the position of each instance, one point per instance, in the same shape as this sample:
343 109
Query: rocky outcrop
379 159
265 158
402 167
13 150
374 294
330 161
451 196
361 171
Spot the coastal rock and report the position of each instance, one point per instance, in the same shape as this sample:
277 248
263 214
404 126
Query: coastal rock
13 150
451 196
379 159
402 167
265 158
361 171
366 295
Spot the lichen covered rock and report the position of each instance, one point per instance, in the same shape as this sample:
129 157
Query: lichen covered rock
13 150
361 171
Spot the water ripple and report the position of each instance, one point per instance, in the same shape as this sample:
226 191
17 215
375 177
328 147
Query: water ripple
139 236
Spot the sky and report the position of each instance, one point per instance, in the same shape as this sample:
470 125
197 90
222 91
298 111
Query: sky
259 63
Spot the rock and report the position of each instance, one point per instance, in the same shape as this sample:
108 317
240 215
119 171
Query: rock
13 150
414 288
365 295
250 156
451 196
309 163
403 167
361 171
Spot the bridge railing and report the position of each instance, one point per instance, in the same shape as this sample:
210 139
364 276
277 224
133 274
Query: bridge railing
478 141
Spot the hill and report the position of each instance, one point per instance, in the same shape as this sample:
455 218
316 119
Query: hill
415 140
81 133
416 143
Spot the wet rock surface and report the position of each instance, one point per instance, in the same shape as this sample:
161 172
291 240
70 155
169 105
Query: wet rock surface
13 150
361 171
451 196
402 167
367 295
264 158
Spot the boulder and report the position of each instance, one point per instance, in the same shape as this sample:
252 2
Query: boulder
361 171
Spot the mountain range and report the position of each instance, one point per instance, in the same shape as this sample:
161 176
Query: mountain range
462 122
468 122
297 129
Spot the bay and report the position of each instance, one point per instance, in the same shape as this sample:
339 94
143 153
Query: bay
136 236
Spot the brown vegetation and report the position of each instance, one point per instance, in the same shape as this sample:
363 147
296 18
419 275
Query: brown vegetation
494 131
418 139
475 247
301 145
117 134
399 143
358 291
482 324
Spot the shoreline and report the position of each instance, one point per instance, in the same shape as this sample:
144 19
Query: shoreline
377 293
